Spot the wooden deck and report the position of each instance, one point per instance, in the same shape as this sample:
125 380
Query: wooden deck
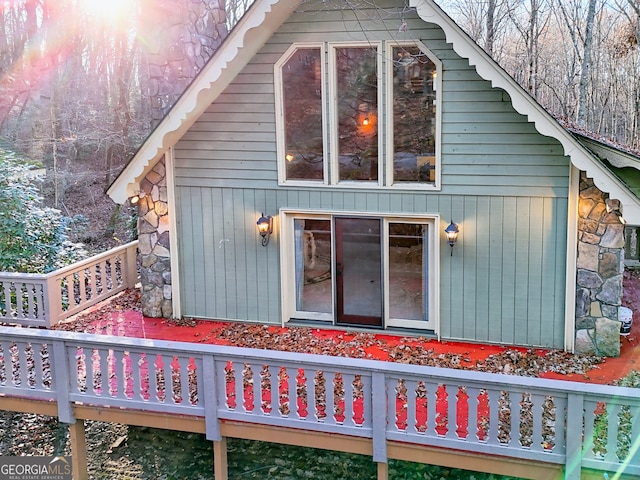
519 426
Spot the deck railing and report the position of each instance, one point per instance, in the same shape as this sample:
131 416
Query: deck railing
568 423
42 300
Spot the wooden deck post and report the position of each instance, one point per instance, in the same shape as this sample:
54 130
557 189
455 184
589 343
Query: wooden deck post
52 308
220 470
383 471
78 450
131 257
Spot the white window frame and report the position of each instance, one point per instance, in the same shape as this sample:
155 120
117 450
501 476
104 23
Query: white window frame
389 154
433 272
333 115
280 115
331 172
287 266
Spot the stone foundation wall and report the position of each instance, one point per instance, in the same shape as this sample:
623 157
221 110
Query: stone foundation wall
600 269
153 244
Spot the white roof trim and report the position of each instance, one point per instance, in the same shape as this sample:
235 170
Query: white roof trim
262 19
526 105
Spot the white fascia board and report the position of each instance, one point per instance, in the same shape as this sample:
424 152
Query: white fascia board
526 105
240 46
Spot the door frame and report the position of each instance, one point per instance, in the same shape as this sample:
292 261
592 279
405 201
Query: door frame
287 266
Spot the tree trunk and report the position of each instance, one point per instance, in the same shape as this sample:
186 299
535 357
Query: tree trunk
491 10
586 65
532 49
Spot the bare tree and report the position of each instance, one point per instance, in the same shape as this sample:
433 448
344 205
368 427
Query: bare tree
74 90
579 58
486 22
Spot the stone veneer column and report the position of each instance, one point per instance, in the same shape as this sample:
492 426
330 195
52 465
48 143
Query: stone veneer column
153 244
179 37
600 269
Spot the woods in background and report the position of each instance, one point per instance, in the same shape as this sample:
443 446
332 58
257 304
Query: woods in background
83 82
579 58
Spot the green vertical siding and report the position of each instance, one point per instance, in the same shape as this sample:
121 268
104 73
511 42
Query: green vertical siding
503 182
504 282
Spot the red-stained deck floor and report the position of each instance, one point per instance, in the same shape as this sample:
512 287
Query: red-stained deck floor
120 321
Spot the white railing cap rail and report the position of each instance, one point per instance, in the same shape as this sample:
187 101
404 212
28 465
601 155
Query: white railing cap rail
23 276
91 260
327 362
69 268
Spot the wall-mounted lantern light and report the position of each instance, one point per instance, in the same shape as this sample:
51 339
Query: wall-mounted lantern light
136 198
615 207
452 234
265 228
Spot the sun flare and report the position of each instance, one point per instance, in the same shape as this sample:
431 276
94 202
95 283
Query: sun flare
107 9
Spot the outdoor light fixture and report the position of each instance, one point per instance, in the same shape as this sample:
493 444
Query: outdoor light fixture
613 206
136 198
265 228
452 234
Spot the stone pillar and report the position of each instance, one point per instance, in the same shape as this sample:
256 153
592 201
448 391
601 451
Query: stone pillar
153 244
600 269
179 37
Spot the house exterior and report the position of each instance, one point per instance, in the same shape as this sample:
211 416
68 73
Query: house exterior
361 133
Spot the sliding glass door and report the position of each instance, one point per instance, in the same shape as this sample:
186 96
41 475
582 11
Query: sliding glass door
359 270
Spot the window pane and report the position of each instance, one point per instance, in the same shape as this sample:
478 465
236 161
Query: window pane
357 80
407 271
313 265
414 116
302 97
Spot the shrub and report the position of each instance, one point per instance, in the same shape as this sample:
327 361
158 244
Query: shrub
33 238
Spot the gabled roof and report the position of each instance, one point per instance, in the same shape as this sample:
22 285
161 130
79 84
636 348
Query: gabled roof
264 18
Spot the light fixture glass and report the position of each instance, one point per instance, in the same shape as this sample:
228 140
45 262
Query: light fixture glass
133 200
265 228
452 234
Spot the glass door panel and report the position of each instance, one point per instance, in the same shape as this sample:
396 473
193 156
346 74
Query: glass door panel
313 265
358 271
407 271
